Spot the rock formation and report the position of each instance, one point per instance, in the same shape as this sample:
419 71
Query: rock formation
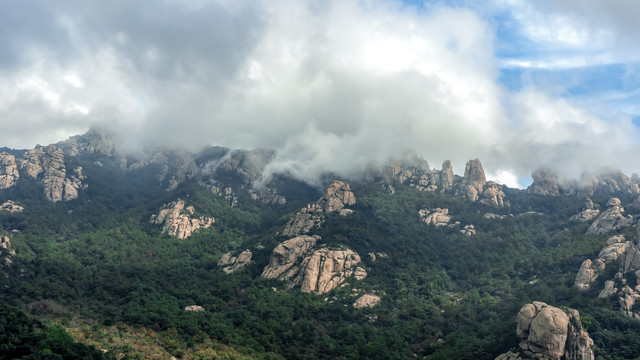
284 263
177 167
492 194
589 271
327 269
8 170
367 301
337 196
230 264
587 214
468 230
295 262
47 165
6 250
473 181
178 221
196 308
446 175
611 219
608 182
101 145
267 196
547 332
11 206
437 217
218 189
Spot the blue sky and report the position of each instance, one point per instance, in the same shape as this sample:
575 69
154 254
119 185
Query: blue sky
334 85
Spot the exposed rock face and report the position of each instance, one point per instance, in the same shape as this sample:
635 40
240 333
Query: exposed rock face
547 332
294 262
5 245
230 264
97 143
305 220
627 298
220 190
473 181
609 289
437 217
446 175
11 206
327 269
611 219
548 182
47 165
493 194
177 220
367 301
587 214
196 308
267 196
8 170
338 196
178 167
545 182
284 263
468 230
589 271
411 169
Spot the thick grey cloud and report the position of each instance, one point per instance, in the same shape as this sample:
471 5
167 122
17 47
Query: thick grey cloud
330 85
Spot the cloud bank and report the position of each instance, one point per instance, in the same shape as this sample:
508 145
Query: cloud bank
330 85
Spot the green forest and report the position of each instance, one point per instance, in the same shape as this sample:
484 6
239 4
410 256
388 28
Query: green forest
92 278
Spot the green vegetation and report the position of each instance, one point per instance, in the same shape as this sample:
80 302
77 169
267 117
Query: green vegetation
94 273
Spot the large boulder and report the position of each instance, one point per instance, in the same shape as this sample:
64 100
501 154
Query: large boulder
547 332
367 301
545 182
8 170
286 258
178 220
492 194
446 175
11 206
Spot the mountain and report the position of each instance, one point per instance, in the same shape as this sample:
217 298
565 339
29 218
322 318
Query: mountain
108 252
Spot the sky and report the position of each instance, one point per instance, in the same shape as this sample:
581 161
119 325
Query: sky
333 85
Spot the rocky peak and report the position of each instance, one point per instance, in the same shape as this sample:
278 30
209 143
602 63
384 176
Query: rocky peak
102 143
177 167
8 170
285 258
178 220
493 194
587 214
338 196
473 181
446 175
545 182
411 168
547 332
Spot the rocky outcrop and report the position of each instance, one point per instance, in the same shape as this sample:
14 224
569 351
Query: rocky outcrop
446 175
410 169
231 264
473 181
218 189
11 206
286 258
469 230
177 167
611 219
608 182
195 308
6 250
267 196
296 263
437 217
178 221
367 301
587 214
327 269
492 194
47 165
547 332
545 182
589 271
336 198
100 145
8 170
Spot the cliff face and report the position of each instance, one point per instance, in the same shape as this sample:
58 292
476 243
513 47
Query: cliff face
549 182
8 170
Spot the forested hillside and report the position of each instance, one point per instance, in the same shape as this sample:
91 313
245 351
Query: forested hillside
92 276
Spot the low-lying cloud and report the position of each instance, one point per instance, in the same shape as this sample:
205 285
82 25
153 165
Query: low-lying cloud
330 86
